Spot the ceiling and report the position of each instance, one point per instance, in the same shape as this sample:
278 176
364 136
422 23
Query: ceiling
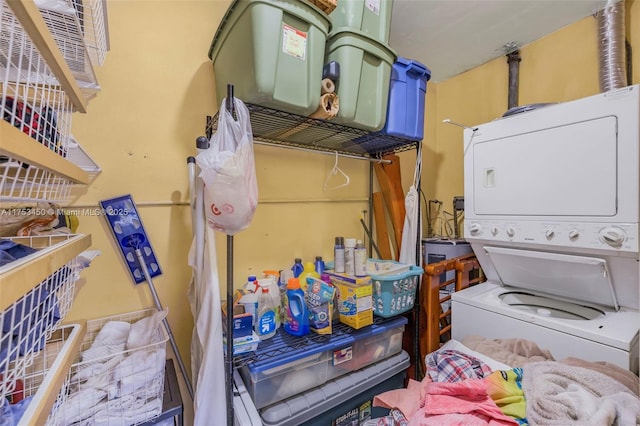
453 36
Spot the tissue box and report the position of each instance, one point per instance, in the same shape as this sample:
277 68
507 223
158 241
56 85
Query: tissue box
242 345
242 321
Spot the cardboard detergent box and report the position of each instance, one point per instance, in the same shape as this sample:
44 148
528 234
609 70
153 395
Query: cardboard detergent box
355 299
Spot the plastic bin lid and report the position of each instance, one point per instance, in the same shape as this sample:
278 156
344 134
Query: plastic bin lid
304 11
284 349
414 66
344 36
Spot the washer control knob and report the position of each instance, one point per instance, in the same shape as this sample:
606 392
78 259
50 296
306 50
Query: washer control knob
612 236
573 234
495 230
475 228
550 233
511 231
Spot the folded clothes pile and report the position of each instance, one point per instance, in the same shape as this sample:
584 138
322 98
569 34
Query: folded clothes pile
25 323
119 380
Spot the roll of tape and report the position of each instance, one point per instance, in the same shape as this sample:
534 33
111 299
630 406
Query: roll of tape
327 86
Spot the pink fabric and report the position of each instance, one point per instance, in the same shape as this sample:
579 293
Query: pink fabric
464 403
407 400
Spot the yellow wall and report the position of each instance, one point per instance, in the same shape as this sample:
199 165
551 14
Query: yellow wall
157 88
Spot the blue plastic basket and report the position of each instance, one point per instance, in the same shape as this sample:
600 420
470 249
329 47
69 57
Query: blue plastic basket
395 294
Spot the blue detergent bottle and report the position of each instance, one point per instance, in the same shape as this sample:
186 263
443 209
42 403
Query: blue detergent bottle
297 318
297 267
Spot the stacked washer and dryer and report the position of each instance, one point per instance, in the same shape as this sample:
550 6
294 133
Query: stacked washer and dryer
552 209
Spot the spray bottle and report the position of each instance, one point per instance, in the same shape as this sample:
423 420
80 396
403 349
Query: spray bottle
265 326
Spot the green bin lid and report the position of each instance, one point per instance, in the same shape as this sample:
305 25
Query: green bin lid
350 37
300 8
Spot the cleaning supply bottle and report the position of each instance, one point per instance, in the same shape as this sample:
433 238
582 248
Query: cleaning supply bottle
251 283
297 322
297 267
338 256
360 260
349 253
308 271
274 292
319 265
265 326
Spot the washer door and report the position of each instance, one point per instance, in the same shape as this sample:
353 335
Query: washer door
576 278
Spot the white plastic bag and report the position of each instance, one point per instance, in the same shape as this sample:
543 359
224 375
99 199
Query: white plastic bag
228 172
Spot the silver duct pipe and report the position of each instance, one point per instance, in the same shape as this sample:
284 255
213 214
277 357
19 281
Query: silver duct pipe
611 36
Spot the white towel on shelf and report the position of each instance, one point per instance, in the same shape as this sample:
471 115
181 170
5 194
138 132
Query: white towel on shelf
138 369
110 340
123 412
146 331
79 406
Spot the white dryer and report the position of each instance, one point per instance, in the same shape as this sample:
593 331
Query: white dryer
551 211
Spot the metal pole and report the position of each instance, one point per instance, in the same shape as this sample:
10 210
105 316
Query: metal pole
229 364
147 277
416 304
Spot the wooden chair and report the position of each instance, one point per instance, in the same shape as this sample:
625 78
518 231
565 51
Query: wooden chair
437 324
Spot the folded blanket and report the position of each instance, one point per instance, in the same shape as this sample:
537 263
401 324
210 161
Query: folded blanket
564 395
625 377
513 352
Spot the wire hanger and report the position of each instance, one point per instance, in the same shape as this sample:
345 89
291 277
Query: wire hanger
335 172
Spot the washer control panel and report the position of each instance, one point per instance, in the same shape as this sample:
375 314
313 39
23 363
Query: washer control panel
619 236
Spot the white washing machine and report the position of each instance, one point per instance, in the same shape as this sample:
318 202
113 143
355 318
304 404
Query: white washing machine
552 206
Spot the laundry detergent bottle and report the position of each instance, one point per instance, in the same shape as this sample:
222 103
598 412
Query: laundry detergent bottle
297 317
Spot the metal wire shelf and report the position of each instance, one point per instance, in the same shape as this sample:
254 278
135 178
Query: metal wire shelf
277 127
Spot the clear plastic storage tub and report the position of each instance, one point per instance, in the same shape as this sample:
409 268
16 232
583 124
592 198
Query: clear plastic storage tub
407 91
288 365
272 52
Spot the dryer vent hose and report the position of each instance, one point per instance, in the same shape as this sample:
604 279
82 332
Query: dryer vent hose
611 37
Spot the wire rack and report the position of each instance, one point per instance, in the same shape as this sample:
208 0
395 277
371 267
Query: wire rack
110 384
40 375
20 182
33 102
79 29
28 323
282 128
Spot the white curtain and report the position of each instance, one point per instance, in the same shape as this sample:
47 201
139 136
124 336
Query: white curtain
410 237
207 356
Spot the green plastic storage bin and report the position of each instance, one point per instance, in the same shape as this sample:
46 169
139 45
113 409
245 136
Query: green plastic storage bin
372 17
365 72
272 52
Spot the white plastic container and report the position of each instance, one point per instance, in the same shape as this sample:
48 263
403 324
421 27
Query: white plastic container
360 260
349 256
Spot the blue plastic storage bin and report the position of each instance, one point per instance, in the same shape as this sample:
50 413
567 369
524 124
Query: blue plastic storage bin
407 90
